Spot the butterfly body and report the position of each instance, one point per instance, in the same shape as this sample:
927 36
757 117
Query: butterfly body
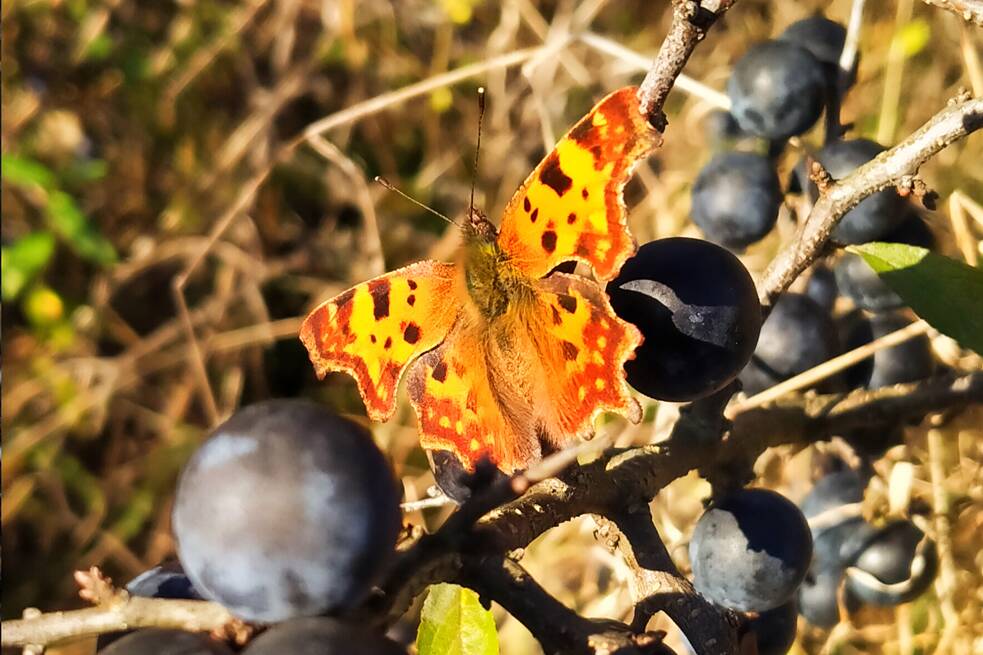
493 284
503 358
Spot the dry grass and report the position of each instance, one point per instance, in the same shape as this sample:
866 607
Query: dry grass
238 141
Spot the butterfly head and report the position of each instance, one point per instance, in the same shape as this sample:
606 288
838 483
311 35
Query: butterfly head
478 227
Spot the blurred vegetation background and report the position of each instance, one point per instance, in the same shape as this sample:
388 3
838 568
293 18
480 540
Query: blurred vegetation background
146 144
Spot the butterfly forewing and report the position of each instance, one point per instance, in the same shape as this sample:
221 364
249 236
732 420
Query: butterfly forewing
571 206
374 330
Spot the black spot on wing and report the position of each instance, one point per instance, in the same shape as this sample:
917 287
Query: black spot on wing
583 132
344 298
548 241
534 215
553 176
380 298
569 303
412 284
570 351
412 333
526 205
439 371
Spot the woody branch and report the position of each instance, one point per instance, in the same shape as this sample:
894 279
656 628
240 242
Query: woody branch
631 478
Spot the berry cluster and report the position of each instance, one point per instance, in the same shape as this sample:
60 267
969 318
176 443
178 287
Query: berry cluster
855 563
778 90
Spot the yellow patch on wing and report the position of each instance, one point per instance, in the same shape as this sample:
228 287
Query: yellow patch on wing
374 330
571 206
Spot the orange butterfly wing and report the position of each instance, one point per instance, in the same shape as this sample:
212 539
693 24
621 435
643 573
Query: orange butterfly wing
571 206
373 330
529 382
583 347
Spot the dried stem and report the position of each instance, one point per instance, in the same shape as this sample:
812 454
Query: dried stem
124 613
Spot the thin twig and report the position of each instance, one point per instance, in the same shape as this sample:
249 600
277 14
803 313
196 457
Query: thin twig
963 116
893 75
946 583
118 615
690 22
373 243
970 11
829 368
848 57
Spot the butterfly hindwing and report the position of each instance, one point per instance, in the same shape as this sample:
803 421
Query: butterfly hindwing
465 407
582 346
374 330
571 206
531 382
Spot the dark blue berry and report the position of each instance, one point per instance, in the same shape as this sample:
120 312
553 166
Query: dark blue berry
896 566
824 39
858 282
834 490
321 636
839 532
750 550
165 642
724 134
775 629
877 214
796 336
909 361
822 287
818 596
457 482
777 90
698 310
164 581
736 199
287 510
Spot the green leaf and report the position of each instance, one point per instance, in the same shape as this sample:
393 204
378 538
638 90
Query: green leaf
22 260
68 220
25 171
946 293
453 622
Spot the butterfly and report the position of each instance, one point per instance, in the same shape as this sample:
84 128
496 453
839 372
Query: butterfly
504 357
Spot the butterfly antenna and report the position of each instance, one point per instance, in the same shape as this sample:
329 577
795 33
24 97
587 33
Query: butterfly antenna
384 182
477 149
